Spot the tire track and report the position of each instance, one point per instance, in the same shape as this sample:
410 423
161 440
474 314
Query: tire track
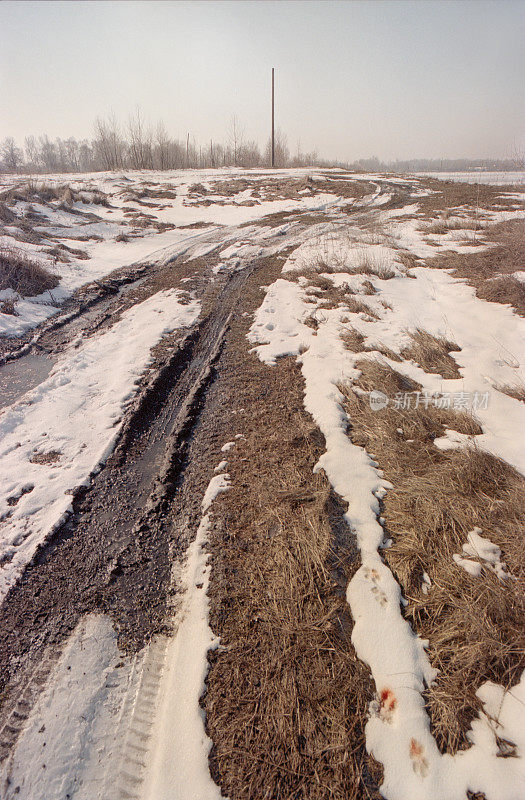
114 555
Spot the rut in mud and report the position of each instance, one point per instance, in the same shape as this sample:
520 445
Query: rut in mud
114 555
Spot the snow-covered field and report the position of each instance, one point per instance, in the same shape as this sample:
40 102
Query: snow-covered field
493 178
97 701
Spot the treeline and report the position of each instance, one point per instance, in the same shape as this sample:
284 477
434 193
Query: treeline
137 145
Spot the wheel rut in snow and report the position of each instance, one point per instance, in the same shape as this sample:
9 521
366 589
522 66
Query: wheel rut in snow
114 554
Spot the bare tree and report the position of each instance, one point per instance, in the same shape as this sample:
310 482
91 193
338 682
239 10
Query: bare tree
249 154
11 154
108 144
161 151
31 151
235 137
48 155
140 143
282 155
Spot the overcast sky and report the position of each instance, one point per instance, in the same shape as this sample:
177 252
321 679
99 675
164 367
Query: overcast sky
353 79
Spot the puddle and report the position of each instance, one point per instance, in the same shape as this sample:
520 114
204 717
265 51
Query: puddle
19 376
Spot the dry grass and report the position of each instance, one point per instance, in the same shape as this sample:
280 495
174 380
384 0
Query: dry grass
515 390
432 354
8 307
51 457
32 191
444 226
447 195
372 267
6 215
367 266
490 271
356 306
286 697
23 274
474 625
354 341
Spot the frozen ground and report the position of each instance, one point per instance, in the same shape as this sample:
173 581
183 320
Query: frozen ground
494 178
103 713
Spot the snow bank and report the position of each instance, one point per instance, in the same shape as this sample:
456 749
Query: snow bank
179 764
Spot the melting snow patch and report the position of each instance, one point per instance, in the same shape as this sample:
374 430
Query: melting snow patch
227 446
489 556
218 484
452 440
179 765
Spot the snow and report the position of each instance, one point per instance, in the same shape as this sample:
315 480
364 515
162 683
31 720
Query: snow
179 764
343 251
453 440
97 379
94 381
472 567
72 734
227 446
491 178
489 555
218 484
491 339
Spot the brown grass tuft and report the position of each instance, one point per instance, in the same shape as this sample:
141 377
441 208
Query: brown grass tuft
8 307
432 354
356 306
23 274
515 390
353 340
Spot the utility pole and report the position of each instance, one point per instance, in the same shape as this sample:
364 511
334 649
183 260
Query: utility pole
273 117
188 151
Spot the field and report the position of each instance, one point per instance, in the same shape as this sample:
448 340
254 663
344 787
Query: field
261 509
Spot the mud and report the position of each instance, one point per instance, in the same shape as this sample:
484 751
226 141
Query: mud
17 378
114 555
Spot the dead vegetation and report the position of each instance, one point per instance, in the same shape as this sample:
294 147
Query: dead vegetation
515 390
8 307
447 195
51 457
286 697
357 306
444 226
474 625
355 342
367 266
432 354
491 271
32 191
23 273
